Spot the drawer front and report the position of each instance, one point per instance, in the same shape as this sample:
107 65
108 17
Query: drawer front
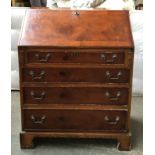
75 95
74 119
99 75
76 56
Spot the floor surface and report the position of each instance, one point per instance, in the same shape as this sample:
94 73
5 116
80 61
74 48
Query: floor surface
75 146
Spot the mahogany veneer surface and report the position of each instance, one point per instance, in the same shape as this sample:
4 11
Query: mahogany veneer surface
64 28
76 75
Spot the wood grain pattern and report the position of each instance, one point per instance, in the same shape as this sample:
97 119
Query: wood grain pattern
61 28
76 56
99 75
76 95
76 75
74 120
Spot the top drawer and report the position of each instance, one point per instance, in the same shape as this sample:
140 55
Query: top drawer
75 56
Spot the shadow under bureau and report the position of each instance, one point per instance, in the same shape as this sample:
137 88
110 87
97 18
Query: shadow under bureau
76 75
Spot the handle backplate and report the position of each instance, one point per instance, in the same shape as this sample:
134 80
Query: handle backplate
38 77
38 98
110 77
112 60
45 59
116 98
38 120
112 122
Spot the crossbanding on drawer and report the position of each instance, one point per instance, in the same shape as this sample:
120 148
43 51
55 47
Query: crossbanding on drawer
74 119
67 56
99 75
75 95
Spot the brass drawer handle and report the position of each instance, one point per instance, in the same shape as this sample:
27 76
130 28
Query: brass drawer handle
112 60
45 59
113 78
39 77
106 118
118 95
38 120
41 97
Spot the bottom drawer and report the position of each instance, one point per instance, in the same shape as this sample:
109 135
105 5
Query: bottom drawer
74 119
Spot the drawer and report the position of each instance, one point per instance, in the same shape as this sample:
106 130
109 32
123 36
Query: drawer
76 56
74 119
75 95
100 75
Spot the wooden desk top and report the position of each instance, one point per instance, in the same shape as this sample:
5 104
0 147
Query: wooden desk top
84 29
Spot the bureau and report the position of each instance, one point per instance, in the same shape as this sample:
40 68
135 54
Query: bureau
76 75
